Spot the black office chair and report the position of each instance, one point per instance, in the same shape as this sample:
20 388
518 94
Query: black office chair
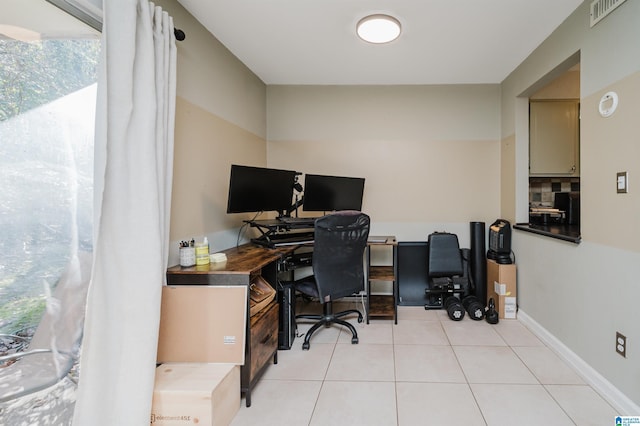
447 275
338 267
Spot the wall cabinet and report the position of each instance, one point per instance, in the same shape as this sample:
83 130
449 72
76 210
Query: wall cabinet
554 138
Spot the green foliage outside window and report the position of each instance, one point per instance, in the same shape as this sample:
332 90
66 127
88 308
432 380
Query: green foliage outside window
47 104
36 73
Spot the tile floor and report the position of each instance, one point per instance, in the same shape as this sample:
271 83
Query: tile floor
425 370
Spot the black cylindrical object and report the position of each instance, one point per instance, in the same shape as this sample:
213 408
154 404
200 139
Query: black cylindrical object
454 308
474 308
479 261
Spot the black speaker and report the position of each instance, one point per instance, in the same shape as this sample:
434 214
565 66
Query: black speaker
287 323
479 261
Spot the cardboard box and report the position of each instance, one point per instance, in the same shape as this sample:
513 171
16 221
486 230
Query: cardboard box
501 286
195 393
202 323
505 305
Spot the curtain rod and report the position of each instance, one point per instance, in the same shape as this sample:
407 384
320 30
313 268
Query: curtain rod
89 17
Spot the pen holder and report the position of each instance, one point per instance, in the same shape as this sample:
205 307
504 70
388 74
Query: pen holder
202 254
187 256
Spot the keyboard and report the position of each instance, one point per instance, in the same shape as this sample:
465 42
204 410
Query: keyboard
297 220
285 239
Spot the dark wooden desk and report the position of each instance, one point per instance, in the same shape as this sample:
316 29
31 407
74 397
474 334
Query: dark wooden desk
244 264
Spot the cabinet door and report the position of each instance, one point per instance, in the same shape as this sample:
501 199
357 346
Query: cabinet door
554 138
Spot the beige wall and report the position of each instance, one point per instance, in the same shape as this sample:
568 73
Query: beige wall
205 147
429 154
507 181
610 145
582 294
220 120
566 86
213 78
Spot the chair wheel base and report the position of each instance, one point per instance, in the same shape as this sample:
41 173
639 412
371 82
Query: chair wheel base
354 340
305 346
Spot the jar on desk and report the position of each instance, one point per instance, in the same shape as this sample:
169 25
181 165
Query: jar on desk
187 256
202 253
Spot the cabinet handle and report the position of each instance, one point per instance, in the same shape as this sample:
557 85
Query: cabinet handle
573 169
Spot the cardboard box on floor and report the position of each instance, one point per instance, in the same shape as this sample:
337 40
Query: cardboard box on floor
195 393
201 323
501 286
201 346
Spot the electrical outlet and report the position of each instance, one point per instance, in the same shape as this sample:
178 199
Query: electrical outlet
622 182
621 344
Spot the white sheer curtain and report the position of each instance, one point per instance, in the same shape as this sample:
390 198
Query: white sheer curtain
133 175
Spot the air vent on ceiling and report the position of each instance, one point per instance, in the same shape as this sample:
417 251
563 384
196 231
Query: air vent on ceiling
601 8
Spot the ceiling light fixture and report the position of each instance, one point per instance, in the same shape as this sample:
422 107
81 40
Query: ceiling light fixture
378 28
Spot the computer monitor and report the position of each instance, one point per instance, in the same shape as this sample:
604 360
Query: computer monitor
257 189
332 193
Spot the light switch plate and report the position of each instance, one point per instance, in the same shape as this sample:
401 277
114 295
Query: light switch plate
622 182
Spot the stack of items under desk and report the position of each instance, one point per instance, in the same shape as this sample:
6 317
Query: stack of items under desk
200 350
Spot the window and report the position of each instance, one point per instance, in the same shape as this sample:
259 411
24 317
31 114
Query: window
47 115
554 154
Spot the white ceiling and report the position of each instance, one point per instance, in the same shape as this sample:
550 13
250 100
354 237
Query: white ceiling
442 41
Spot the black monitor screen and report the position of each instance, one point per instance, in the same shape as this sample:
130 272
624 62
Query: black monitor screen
257 189
330 193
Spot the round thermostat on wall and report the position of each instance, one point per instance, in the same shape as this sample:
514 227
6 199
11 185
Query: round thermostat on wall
608 104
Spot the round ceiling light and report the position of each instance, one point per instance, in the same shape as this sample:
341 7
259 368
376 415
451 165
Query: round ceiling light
378 28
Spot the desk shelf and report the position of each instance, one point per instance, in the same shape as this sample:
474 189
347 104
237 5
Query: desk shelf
382 305
382 273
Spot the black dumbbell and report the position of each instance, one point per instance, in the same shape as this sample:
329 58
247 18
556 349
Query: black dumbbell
454 308
492 315
474 307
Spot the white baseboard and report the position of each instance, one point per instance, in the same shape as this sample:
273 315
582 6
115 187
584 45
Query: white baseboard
619 401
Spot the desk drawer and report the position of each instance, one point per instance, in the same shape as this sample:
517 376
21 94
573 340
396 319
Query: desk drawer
264 336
